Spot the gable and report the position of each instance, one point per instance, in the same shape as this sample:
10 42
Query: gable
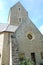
29 37
27 27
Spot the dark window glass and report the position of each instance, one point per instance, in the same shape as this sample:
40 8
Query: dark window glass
33 57
19 9
29 36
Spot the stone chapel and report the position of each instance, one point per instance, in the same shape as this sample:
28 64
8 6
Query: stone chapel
20 37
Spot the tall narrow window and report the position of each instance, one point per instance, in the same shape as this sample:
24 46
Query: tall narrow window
20 20
42 55
19 9
33 57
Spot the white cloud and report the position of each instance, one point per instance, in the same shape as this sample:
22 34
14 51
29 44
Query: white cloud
41 29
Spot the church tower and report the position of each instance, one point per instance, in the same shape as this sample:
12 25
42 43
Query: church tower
17 14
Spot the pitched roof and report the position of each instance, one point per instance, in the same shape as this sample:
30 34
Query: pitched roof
8 28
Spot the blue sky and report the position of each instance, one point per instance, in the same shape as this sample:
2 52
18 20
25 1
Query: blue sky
34 8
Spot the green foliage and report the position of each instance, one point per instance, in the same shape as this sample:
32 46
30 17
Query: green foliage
41 63
26 62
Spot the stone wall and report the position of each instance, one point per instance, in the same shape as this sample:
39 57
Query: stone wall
1 46
6 49
30 46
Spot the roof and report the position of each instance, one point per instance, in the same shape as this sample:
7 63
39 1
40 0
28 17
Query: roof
7 28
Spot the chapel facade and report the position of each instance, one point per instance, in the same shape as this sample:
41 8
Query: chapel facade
20 37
